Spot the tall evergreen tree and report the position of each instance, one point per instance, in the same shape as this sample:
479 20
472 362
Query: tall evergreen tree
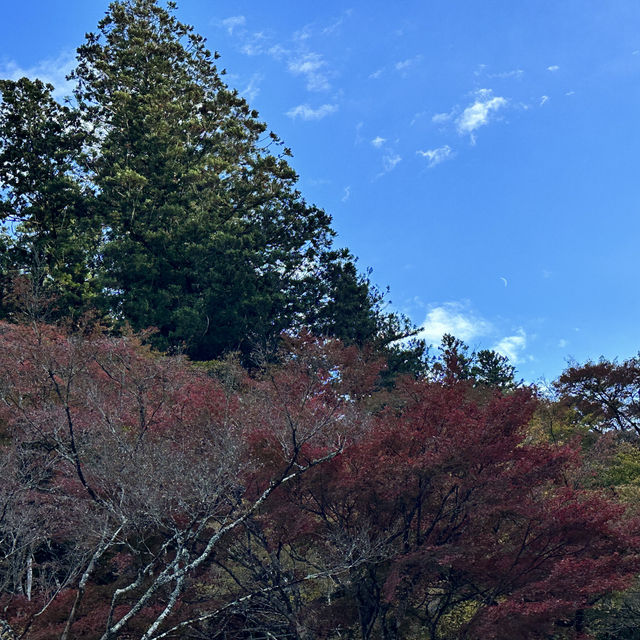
49 232
485 368
207 237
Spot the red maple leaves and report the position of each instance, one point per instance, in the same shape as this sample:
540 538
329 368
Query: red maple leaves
148 494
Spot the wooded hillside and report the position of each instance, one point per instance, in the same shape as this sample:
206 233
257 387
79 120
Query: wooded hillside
211 426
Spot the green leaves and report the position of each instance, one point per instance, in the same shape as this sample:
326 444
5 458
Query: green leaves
208 239
46 205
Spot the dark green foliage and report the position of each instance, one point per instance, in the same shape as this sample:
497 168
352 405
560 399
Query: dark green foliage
616 617
345 306
46 209
352 309
492 369
484 368
207 237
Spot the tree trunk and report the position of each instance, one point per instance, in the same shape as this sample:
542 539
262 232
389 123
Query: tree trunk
29 575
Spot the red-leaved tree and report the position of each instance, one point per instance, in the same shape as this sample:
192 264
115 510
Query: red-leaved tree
471 531
145 497
126 474
605 394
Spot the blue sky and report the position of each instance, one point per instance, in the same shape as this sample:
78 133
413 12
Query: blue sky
481 157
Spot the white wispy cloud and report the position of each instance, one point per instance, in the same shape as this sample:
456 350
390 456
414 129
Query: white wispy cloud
376 74
311 66
479 113
562 343
512 346
298 58
49 70
278 52
441 118
543 99
390 161
232 22
418 116
480 70
337 23
303 34
251 91
256 44
436 156
306 112
454 318
404 65
346 193
553 67
503 75
377 142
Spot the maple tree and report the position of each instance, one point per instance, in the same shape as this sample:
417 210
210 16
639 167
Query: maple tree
596 403
604 394
149 465
477 533
149 496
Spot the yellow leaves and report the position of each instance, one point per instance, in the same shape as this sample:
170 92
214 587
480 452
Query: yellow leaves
625 468
459 615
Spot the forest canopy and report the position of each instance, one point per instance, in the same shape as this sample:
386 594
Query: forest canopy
149 497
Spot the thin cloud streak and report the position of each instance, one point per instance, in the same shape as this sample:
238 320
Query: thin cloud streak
306 112
251 91
232 22
436 156
441 118
404 65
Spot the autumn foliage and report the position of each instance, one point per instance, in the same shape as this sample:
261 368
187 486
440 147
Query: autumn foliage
146 497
